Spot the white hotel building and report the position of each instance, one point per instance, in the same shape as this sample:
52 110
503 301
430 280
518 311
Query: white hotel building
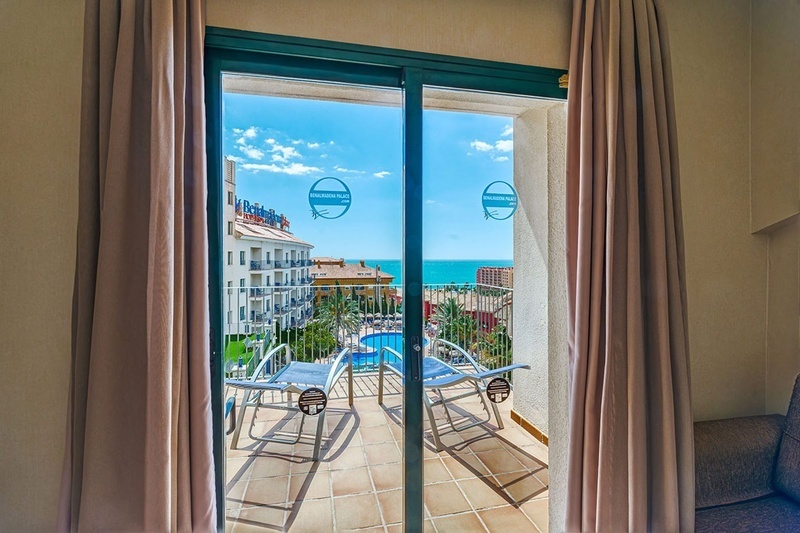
266 269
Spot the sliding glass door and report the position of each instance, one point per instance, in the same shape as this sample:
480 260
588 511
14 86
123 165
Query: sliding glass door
325 201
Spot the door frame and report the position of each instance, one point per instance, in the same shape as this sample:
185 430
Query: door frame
246 52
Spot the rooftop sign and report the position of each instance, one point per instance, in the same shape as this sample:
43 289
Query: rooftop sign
260 215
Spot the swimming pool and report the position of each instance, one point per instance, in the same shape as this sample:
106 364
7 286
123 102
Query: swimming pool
368 360
376 341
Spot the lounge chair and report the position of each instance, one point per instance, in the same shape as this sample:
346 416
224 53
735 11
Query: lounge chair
438 375
293 377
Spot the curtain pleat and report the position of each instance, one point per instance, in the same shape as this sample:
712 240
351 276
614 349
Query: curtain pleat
630 456
139 432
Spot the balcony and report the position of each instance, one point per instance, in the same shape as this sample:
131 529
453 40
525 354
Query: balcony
485 478
256 294
294 263
280 264
263 264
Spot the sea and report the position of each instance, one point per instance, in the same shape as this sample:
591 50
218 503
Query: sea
438 271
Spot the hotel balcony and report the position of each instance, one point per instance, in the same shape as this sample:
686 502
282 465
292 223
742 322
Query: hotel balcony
484 479
257 294
260 265
281 264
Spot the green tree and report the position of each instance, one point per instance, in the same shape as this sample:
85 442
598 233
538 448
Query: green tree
495 348
339 313
312 342
455 324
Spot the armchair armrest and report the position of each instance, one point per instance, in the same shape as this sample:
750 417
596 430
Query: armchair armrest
734 458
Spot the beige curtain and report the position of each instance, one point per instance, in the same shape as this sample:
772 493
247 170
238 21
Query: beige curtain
139 437
631 458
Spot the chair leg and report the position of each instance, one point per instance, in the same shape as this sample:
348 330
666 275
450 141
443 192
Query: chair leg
380 385
240 420
432 420
318 437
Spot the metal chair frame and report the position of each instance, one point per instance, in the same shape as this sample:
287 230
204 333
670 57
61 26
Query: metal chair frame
255 389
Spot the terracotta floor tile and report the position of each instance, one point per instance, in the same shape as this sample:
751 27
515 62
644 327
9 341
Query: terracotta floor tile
371 419
356 512
387 477
459 523
260 519
543 475
270 466
506 518
484 443
384 453
391 506
266 491
309 486
311 517
445 498
483 492
500 461
521 486
465 466
435 471
352 457
377 435
527 459
351 481
234 494
537 511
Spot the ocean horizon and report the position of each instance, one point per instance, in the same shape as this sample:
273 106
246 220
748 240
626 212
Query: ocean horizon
438 271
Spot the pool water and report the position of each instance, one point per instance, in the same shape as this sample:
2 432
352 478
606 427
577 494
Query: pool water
374 342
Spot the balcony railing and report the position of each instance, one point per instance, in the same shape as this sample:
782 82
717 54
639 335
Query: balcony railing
263 264
476 317
279 264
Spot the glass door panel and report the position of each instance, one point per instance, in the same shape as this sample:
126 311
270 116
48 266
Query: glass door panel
312 287
480 468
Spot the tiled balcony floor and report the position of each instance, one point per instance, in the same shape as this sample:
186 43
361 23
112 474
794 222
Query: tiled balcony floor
485 479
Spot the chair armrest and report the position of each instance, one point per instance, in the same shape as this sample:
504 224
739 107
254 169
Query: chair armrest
734 458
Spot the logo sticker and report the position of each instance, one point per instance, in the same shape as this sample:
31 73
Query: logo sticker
499 200
329 198
312 401
498 390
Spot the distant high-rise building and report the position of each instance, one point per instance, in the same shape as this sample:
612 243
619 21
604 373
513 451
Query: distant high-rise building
495 276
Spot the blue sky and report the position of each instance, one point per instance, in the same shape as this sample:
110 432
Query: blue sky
282 146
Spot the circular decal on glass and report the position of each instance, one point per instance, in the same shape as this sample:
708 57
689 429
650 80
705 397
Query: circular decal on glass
498 390
329 198
312 401
499 200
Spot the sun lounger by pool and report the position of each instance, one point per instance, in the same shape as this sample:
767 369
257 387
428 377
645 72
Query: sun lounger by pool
438 375
293 378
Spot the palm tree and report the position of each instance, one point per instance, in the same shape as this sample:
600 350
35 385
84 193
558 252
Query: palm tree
455 325
339 313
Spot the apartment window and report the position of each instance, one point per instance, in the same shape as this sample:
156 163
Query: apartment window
267 258
241 313
268 283
241 258
230 197
230 287
230 258
241 285
230 228
230 317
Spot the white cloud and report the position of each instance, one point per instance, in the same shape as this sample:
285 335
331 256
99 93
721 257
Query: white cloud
250 132
324 156
430 202
331 142
504 146
241 140
500 159
481 146
293 169
270 141
508 130
282 154
238 131
313 145
235 158
382 174
297 141
251 152
347 170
